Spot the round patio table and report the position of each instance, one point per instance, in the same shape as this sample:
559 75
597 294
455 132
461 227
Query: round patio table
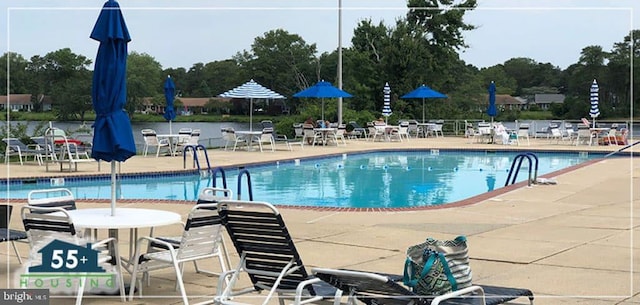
125 218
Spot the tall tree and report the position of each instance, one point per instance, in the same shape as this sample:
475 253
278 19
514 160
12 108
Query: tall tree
65 76
13 67
144 79
281 61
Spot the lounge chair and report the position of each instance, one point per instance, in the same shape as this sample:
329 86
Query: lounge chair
15 147
71 151
10 235
356 130
380 289
268 256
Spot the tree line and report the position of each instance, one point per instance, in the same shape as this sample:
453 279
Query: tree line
422 47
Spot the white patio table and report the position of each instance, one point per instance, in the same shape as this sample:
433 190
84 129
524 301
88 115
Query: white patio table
250 136
173 140
125 218
325 131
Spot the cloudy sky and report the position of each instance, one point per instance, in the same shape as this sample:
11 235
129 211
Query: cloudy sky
181 33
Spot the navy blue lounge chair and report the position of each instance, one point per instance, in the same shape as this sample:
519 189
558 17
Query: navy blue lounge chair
380 289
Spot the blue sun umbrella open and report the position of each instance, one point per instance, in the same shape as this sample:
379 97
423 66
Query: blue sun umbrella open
322 90
423 92
113 137
169 94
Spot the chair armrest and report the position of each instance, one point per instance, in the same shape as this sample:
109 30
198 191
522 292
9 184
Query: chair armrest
300 291
458 293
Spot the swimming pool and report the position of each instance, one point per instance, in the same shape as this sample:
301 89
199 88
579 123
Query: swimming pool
393 179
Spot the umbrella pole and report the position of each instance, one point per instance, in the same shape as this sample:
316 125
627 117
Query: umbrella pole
251 114
423 110
170 129
113 188
323 110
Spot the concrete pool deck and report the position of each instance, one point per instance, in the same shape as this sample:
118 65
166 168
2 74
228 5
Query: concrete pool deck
570 243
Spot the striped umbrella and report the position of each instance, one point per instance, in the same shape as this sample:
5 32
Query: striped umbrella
251 90
594 112
386 108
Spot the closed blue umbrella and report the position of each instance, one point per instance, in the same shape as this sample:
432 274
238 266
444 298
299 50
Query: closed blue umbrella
113 136
423 92
492 111
251 90
594 112
169 93
386 107
322 90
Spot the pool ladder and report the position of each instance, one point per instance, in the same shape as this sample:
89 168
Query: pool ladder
196 162
243 172
519 159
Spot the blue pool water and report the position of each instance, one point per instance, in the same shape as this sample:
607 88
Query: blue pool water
380 179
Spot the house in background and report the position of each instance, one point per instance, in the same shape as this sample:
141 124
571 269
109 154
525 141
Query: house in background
508 102
23 102
544 100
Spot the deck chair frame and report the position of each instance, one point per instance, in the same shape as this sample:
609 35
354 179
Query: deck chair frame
268 256
383 289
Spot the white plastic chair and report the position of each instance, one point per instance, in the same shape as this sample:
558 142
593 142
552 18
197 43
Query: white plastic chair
201 239
151 140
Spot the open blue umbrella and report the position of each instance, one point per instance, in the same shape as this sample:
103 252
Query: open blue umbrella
113 136
322 90
251 90
424 92
594 112
386 107
169 93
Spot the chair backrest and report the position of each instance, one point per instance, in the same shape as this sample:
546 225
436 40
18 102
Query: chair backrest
15 142
484 128
523 130
194 137
150 137
308 130
55 197
5 215
260 235
45 224
202 232
183 135
212 195
297 128
267 124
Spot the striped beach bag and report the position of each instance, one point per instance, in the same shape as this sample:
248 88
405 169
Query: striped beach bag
436 267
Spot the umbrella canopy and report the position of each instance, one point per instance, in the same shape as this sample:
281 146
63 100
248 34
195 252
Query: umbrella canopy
386 107
423 92
322 90
113 136
251 90
169 93
492 111
594 112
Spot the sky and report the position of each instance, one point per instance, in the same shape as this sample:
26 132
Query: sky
182 33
